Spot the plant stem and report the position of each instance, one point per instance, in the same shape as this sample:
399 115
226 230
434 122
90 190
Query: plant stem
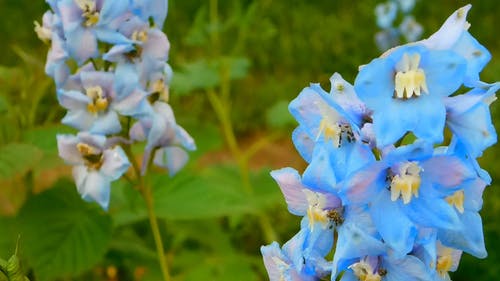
221 108
153 221
146 193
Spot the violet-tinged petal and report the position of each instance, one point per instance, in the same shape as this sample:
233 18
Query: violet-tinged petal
292 188
172 158
66 145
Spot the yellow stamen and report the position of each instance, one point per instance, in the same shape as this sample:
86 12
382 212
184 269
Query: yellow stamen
90 13
93 156
444 264
160 88
98 101
457 200
410 79
316 212
406 183
364 272
140 35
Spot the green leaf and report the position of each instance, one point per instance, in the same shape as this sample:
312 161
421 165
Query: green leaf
44 138
213 192
278 116
17 159
126 205
239 67
63 235
197 75
266 191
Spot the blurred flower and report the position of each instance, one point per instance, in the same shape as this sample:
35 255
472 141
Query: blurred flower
386 14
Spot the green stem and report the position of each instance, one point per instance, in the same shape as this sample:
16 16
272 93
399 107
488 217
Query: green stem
146 193
221 109
153 221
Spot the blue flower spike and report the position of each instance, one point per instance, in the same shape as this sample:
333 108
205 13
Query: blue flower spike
402 201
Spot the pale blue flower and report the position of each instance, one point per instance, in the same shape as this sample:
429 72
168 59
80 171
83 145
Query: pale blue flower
87 21
386 13
411 29
99 99
164 136
157 9
95 164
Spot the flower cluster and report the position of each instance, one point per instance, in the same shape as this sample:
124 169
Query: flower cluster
386 14
386 189
108 61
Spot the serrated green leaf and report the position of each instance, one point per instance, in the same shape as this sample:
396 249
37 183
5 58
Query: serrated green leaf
63 235
17 159
278 116
213 192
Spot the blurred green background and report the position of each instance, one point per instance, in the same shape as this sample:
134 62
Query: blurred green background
258 55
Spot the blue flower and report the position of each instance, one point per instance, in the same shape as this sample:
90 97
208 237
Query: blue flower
86 21
405 90
96 165
279 266
469 118
387 268
408 188
328 135
163 136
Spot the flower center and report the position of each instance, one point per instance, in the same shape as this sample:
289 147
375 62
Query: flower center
406 183
457 200
315 212
410 79
365 272
332 128
140 35
98 101
90 13
161 89
444 264
92 155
